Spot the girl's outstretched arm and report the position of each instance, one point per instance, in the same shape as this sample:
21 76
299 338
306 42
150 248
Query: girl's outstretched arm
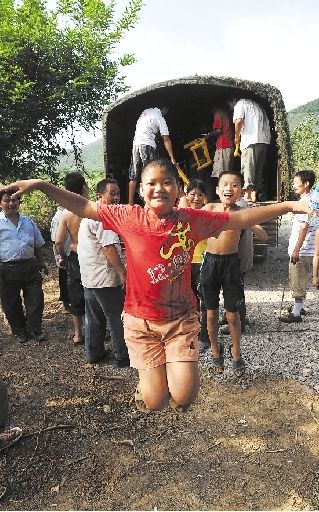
73 202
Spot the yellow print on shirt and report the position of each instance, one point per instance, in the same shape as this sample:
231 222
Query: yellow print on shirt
182 242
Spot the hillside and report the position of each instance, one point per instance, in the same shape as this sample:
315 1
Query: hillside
92 155
93 152
297 115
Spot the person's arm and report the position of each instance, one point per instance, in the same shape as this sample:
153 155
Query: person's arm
60 237
73 202
213 133
169 148
113 257
259 232
301 238
39 256
247 217
238 126
315 268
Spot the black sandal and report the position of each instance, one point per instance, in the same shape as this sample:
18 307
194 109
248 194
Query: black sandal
218 362
239 366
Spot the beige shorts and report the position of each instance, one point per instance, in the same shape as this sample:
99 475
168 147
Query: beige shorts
223 161
299 276
151 344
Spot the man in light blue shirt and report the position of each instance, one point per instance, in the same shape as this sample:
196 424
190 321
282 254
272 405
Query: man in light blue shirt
20 270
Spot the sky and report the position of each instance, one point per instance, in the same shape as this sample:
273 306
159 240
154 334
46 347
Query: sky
270 41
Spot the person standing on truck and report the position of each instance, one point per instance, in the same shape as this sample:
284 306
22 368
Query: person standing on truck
252 133
149 124
224 153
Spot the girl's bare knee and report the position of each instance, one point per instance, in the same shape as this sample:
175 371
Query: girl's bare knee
157 403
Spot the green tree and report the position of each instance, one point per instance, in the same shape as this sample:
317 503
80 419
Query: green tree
56 73
305 144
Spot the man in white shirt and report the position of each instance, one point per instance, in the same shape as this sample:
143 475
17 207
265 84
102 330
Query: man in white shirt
149 124
252 132
103 276
301 249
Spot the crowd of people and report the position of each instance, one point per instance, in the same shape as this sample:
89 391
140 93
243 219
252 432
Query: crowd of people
160 336
159 297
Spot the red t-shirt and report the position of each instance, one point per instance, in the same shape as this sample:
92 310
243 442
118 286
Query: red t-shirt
159 254
222 122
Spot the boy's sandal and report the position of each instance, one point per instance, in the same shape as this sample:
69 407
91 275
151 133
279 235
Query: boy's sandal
9 437
139 402
239 366
218 362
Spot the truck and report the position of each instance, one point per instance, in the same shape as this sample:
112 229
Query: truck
191 101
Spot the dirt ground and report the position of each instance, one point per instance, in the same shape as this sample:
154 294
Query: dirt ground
85 447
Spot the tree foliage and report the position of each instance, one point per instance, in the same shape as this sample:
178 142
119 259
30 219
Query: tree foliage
305 144
57 71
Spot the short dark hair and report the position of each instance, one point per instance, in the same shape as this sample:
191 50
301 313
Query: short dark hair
196 184
74 182
102 185
232 173
9 193
162 162
306 175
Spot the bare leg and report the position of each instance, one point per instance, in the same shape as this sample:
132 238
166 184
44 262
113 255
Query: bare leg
212 327
77 325
180 380
131 191
247 194
154 387
235 333
183 382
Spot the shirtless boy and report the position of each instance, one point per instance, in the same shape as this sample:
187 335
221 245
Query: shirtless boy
221 269
69 224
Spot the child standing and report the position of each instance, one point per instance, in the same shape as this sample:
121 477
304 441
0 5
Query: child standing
161 321
221 270
301 249
196 198
246 258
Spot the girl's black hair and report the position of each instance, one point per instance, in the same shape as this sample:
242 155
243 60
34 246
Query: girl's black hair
196 184
162 162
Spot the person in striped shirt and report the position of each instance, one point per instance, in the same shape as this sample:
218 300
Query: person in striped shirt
301 249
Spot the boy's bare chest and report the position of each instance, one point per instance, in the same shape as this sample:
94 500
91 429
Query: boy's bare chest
226 243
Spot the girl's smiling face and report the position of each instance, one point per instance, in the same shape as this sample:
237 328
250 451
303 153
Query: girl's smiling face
159 190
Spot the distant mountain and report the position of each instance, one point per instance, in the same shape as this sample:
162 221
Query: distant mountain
92 153
297 115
